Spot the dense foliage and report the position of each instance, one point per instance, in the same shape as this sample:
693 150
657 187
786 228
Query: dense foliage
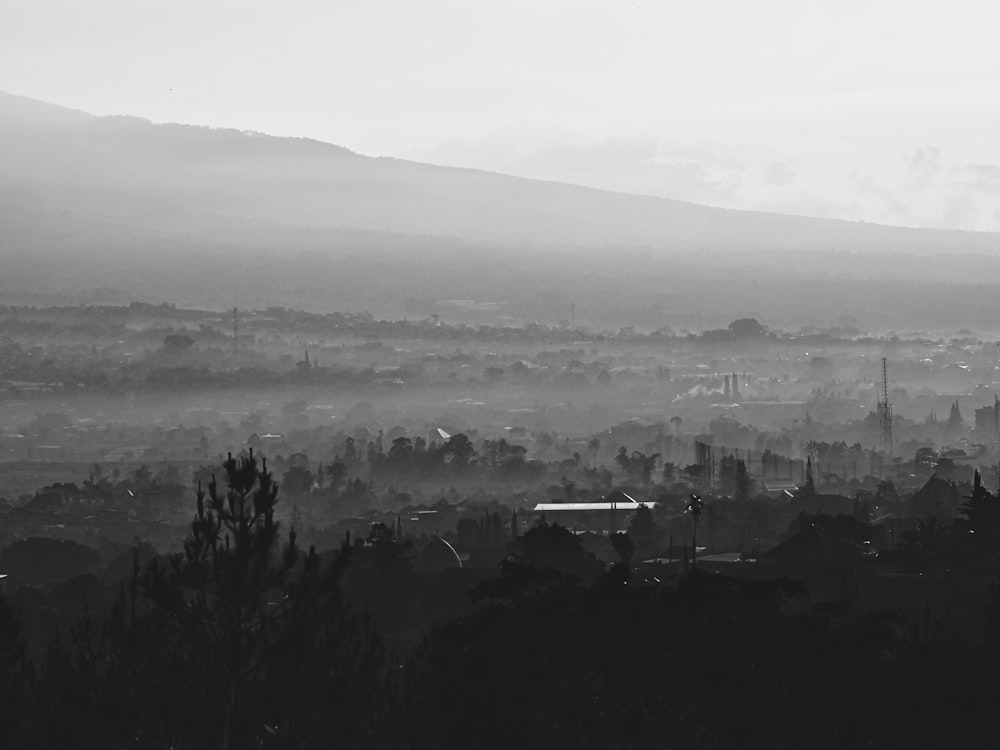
244 640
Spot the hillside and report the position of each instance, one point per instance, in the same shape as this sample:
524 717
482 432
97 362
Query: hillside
128 170
116 209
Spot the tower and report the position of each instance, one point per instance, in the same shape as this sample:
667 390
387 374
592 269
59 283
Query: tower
885 411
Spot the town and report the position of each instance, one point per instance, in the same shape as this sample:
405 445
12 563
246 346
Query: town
488 376
863 468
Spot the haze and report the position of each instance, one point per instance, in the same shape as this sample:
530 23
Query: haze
479 375
874 111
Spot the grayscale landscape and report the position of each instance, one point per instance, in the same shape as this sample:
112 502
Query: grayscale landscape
546 375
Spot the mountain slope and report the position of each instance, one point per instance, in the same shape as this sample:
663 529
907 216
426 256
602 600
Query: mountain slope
128 170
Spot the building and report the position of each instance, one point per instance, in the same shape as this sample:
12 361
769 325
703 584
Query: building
611 513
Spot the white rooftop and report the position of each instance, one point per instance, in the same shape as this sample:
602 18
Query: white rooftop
590 506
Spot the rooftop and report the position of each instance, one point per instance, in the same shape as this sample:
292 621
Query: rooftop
633 505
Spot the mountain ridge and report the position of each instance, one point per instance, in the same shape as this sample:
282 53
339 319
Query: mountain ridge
129 169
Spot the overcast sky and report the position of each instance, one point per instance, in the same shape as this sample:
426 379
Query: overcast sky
881 110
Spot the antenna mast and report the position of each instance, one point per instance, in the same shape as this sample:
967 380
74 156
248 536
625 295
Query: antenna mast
885 411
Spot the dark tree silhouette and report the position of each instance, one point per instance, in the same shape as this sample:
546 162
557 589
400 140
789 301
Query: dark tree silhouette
594 445
747 328
644 532
551 546
460 449
624 546
42 560
238 641
744 482
298 480
923 541
809 488
622 459
16 675
981 511
642 466
955 421
401 452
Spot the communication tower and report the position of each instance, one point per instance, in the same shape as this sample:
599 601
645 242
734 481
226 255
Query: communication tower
885 411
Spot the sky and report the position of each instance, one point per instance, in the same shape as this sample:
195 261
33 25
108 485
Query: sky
873 110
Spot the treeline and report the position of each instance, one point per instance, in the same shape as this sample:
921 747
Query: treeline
244 639
347 482
417 456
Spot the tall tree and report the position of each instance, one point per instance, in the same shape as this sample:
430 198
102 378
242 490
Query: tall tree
460 449
982 513
809 488
237 640
623 460
644 531
623 546
744 482
955 421
642 466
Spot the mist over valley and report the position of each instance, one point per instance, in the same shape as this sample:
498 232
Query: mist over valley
301 447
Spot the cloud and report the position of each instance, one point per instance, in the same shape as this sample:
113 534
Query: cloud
779 173
979 178
924 166
610 153
931 191
873 201
635 164
918 188
983 171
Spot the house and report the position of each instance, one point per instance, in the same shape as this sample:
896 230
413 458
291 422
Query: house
780 489
937 498
611 513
